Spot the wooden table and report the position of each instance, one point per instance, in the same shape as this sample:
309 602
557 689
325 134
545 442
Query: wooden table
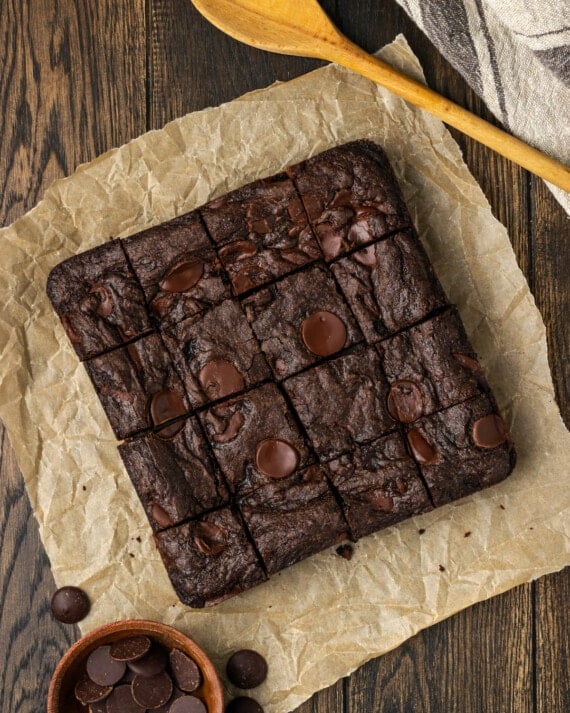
77 78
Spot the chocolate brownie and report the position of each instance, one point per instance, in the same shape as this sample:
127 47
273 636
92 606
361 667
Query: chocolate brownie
462 449
342 403
389 285
429 367
216 353
300 320
293 518
174 473
138 386
379 484
255 437
98 300
351 196
262 232
177 268
210 558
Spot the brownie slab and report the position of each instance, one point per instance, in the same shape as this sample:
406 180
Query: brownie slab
351 196
174 473
262 232
342 403
138 386
210 558
430 367
379 484
389 285
98 300
177 268
255 436
216 353
300 320
462 449
293 518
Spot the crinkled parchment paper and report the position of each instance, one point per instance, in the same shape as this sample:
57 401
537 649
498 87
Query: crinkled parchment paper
324 617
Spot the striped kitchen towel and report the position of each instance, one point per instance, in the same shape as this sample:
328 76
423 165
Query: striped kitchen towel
515 54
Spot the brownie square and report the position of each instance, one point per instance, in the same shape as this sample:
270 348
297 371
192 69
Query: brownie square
389 285
210 559
138 386
293 518
462 449
379 485
216 353
300 320
262 232
254 437
98 299
342 403
351 196
430 367
174 473
177 268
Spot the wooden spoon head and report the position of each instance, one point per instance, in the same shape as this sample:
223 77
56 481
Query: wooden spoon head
298 27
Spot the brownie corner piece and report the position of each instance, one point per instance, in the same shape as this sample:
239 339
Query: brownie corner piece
462 449
210 559
173 473
379 485
98 300
351 196
178 268
293 518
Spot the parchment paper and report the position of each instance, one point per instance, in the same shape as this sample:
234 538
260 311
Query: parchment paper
324 617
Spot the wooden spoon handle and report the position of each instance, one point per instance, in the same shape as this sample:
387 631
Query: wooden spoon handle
353 57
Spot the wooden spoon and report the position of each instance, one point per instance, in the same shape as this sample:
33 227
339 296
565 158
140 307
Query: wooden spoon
300 27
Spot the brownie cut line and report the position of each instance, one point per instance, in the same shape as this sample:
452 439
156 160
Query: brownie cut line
284 371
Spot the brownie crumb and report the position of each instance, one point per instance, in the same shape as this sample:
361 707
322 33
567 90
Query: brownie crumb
84 487
441 568
467 534
131 554
138 539
421 530
345 551
502 507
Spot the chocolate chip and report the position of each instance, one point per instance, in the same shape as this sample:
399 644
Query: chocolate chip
170 431
380 501
219 378
346 551
243 704
130 649
70 605
160 516
152 691
152 663
121 701
185 671
99 707
105 298
102 669
166 405
87 691
246 668
188 704
232 428
183 276
422 451
405 402
210 539
276 458
467 361
323 333
489 431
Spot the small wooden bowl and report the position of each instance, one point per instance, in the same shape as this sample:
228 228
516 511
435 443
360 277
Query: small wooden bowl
61 698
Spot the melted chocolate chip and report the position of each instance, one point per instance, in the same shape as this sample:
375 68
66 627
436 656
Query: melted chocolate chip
87 691
183 276
210 539
243 704
246 668
121 701
323 333
70 605
105 298
423 452
405 402
152 663
276 458
185 671
170 431
166 405
220 378
188 704
467 361
381 501
102 669
489 431
131 648
232 428
152 691
160 516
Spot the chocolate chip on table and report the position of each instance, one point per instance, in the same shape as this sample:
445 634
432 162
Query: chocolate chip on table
87 691
121 701
185 671
130 649
246 668
152 663
152 691
102 669
70 605
243 704
188 704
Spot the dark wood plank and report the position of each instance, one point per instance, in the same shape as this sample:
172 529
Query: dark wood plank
329 700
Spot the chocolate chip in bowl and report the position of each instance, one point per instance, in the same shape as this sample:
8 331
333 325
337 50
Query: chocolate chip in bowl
138 665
